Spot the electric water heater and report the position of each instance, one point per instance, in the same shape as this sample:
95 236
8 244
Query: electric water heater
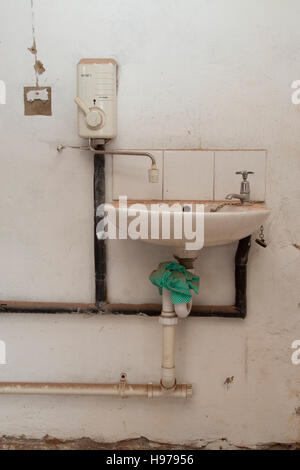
97 98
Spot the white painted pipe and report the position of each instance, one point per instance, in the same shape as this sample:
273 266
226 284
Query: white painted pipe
168 321
167 388
183 310
122 390
167 305
168 378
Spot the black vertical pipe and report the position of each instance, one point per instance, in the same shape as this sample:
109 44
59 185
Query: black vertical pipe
241 260
99 245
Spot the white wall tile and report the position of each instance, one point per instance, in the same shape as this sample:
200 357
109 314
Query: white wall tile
228 162
130 176
188 174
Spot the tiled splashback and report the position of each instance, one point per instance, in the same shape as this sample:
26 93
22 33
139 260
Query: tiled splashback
189 174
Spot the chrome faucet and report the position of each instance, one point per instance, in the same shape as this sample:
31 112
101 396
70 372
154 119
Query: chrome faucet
244 195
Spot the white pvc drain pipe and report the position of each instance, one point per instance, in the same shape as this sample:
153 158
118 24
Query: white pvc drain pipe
122 389
167 388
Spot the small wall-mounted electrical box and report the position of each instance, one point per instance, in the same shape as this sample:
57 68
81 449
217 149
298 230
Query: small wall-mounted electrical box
97 98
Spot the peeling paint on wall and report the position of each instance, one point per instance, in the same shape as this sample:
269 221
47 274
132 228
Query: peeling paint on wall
36 105
33 48
38 65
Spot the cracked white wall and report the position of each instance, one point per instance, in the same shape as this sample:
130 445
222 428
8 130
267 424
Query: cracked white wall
210 74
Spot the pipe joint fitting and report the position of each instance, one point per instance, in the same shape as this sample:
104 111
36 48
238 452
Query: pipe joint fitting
168 319
168 379
169 388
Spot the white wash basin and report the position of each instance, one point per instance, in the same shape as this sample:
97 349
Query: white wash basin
231 222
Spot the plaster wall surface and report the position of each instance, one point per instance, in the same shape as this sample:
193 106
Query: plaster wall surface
202 74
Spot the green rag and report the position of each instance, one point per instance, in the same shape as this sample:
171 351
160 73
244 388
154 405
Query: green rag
175 278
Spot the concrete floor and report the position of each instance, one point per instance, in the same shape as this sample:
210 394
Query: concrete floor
50 443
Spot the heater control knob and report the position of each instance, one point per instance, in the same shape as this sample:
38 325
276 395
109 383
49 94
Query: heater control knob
94 116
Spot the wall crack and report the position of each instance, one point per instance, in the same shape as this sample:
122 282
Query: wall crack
38 65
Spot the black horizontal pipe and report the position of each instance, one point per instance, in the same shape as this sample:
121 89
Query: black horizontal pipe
124 309
238 310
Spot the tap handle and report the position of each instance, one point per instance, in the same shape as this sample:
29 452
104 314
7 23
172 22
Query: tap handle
244 173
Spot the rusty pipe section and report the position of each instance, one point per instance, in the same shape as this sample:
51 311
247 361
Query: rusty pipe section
122 389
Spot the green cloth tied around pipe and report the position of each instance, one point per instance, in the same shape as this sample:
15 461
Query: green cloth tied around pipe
175 278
